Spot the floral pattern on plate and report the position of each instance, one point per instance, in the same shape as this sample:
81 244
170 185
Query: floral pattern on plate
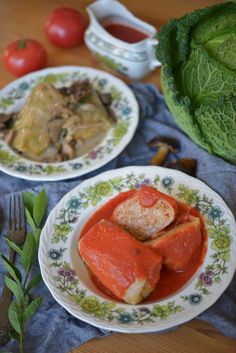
124 105
68 284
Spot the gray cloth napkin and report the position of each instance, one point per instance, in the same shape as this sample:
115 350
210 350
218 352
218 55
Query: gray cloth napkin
52 329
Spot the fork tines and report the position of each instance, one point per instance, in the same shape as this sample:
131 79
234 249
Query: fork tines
16 217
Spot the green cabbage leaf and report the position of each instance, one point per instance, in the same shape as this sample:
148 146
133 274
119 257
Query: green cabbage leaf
198 74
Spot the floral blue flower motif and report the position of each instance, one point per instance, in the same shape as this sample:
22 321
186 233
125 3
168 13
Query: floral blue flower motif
76 166
195 298
102 82
21 168
125 318
74 203
126 110
215 213
55 254
167 182
24 86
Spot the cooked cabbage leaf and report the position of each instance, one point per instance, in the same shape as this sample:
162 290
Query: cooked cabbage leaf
59 124
32 125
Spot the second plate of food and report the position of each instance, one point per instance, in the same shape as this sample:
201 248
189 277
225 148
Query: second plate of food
138 249
63 122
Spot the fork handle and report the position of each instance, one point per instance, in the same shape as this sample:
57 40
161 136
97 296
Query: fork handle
5 301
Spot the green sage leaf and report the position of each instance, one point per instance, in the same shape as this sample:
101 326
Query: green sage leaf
26 300
16 317
13 334
40 207
31 308
37 233
12 269
29 252
33 282
29 199
16 290
15 247
30 219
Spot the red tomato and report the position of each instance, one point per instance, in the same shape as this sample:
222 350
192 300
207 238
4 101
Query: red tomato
24 56
65 27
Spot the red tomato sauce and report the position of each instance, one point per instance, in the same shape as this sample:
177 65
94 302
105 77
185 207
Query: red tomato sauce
170 281
126 33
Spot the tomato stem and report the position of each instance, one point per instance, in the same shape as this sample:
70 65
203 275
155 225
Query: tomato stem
22 43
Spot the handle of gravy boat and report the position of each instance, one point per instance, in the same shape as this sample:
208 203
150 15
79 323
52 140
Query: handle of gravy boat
154 63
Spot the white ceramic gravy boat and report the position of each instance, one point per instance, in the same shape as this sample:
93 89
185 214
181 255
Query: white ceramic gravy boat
132 60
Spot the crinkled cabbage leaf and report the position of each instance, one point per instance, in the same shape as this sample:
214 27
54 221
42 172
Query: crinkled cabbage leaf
198 56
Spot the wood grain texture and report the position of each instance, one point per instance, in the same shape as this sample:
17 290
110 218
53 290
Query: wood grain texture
26 18
190 338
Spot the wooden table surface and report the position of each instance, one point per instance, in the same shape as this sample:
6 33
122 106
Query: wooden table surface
26 18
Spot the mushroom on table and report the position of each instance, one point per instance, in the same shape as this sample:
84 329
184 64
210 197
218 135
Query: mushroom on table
164 146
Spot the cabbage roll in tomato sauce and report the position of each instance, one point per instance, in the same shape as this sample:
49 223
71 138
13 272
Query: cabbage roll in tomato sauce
145 213
179 245
128 268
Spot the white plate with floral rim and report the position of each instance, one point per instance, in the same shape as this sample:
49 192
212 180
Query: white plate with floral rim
67 278
124 105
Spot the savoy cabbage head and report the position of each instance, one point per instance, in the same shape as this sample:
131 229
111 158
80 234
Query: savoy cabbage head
198 56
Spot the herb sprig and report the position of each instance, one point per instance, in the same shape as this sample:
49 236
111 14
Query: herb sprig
20 282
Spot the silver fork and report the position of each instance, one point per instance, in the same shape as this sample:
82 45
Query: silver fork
16 233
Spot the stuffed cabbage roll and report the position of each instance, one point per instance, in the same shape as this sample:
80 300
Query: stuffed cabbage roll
178 245
129 269
146 213
59 124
